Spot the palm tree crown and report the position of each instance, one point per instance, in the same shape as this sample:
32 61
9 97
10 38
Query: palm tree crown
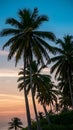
15 123
43 87
64 62
25 35
64 59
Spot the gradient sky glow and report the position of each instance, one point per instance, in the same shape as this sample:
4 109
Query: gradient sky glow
60 13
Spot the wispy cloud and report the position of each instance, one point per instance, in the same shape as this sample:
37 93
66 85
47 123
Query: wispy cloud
8 73
11 103
3 53
12 97
9 96
46 70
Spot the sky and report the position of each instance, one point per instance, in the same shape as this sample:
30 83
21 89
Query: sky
60 13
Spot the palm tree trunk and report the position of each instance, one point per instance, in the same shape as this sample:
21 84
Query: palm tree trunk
33 100
50 107
15 128
47 115
26 100
70 88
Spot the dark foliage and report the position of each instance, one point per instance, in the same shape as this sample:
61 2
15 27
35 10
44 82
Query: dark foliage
62 121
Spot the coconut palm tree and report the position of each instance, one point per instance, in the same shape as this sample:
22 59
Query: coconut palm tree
48 96
15 123
63 62
64 102
63 87
42 86
29 42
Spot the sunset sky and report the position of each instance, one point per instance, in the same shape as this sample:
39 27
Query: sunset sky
60 13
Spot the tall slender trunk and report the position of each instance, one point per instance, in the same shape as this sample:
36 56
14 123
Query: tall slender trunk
26 100
33 100
50 107
47 115
45 110
70 87
15 127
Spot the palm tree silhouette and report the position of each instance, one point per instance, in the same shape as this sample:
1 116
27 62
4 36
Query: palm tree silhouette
64 61
15 123
29 42
42 86
47 96
65 99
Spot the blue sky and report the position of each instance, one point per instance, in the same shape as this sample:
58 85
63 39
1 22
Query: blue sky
60 13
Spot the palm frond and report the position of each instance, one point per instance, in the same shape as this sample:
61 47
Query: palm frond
55 66
13 22
44 34
9 31
56 58
42 50
34 14
46 45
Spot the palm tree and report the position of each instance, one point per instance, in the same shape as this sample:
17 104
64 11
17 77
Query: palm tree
15 123
42 85
64 61
29 42
64 102
48 96
63 87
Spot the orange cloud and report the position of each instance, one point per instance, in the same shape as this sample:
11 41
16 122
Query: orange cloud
8 73
12 104
15 105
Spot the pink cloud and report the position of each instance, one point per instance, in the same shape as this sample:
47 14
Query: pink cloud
8 73
3 53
